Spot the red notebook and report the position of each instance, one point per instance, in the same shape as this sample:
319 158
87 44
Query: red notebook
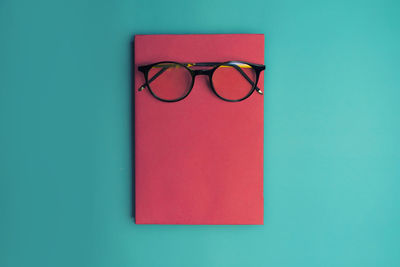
198 160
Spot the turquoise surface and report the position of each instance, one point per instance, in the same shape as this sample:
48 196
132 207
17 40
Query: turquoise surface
332 127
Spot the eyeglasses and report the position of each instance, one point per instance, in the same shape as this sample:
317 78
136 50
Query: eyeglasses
231 81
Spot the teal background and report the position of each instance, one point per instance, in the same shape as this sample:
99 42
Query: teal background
332 127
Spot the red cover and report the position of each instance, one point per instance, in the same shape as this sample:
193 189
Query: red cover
199 160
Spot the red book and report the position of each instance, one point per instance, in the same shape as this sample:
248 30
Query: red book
198 160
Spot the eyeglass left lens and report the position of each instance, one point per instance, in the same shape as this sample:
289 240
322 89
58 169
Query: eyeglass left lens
169 81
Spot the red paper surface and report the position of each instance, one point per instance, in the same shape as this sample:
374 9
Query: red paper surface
199 160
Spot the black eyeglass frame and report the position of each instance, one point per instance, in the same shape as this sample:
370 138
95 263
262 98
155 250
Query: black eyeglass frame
258 68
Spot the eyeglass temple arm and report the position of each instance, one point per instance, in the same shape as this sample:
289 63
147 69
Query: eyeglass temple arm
248 79
141 88
203 64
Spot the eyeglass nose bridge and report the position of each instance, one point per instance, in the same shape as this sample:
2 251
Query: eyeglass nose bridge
201 72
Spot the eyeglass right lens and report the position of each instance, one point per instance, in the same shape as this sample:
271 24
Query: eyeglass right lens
169 81
234 81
